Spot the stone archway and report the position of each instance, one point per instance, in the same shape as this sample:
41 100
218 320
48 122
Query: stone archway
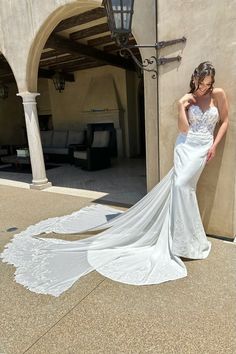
71 9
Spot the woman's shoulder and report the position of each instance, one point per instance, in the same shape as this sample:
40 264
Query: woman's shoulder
218 92
219 95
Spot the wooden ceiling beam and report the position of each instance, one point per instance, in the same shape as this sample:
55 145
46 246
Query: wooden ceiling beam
59 60
93 64
81 19
48 74
57 42
89 32
100 41
112 47
103 40
65 65
49 54
43 73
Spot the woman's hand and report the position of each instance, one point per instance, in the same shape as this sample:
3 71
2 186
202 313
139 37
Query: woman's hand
211 153
187 100
183 104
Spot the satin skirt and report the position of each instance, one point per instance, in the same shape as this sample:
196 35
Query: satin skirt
140 246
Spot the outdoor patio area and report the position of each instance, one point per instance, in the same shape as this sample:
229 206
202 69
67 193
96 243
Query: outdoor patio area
195 314
124 182
117 177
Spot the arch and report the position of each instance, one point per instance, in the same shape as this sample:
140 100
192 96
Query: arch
61 13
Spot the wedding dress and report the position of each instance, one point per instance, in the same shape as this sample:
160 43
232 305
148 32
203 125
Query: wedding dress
140 246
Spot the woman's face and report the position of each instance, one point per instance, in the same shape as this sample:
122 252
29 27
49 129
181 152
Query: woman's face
204 85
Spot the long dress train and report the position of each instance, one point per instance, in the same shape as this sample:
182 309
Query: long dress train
140 246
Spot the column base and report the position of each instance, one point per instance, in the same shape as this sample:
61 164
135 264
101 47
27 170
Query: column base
40 186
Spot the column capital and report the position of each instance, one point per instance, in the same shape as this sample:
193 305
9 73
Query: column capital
28 97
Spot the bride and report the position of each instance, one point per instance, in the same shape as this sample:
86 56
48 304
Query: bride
143 245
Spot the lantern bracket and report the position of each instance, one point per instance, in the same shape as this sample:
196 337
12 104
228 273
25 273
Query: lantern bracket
158 45
119 14
153 62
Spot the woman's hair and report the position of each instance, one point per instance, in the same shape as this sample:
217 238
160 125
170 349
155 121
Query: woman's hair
204 69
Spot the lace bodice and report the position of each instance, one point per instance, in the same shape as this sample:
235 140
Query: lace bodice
202 122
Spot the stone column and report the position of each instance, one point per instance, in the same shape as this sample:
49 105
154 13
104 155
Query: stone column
40 180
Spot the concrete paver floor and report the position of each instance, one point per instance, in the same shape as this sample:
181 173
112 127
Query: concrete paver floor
196 314
123 182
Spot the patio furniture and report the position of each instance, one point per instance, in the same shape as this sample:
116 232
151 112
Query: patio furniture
23 152
56 143
3 151
97 155
16 161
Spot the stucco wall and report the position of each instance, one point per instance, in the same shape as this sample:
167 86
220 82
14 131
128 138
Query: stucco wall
210 33
132 111
76 96
144 31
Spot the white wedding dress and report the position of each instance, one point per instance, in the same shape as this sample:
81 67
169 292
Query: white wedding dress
140 246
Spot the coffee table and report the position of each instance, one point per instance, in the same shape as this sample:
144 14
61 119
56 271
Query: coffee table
15 160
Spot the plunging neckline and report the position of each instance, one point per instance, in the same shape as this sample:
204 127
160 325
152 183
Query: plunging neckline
203 112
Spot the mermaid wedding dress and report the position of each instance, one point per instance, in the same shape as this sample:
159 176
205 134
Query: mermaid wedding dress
140 246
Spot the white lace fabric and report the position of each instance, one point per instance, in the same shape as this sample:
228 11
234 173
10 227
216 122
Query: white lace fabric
203 122
140 246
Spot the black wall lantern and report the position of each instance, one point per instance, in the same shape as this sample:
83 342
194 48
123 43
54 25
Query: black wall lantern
59 81
3 91
119 13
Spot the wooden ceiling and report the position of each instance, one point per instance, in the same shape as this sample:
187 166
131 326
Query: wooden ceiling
77 43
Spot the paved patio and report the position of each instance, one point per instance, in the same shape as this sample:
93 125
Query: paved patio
196 314
124 182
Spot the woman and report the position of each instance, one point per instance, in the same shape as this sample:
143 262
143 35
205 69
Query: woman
144 244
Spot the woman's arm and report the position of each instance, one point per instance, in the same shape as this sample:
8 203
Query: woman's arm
183 104
222 105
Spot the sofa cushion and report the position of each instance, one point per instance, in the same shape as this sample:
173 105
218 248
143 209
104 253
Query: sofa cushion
101 138
46 137
82 155
3 152
56 151
75 137
59 139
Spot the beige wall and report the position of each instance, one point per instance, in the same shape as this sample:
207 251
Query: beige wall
144 31
132 109
12 121
210 34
